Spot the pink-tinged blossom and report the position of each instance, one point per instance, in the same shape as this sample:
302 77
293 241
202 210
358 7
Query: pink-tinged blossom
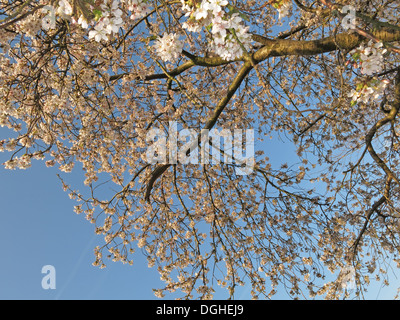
192 25
138 8
219 26
114 25
48 23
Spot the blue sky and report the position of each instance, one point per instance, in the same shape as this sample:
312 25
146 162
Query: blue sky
38 227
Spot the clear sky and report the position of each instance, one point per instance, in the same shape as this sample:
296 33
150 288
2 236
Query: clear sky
38 227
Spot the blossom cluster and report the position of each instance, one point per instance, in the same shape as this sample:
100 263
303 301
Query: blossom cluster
366 91
169 47
23 162
109 23
139 8
108 18
370 59
229 35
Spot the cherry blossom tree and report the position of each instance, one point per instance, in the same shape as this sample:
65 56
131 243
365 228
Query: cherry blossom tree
82 82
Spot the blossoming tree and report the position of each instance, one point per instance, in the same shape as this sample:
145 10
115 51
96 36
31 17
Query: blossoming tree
83 81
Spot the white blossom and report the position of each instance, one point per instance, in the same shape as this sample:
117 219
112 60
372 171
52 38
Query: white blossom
371 91
82 21
139 9
284 9
168 47
370 58
110 22
99 33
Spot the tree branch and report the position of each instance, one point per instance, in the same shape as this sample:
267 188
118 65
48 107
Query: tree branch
389 117
286 47
282 47
374 208
160 169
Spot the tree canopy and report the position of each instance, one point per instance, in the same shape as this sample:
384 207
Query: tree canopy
83 82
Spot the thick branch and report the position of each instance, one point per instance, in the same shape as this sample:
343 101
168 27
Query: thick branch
278 47
347 41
